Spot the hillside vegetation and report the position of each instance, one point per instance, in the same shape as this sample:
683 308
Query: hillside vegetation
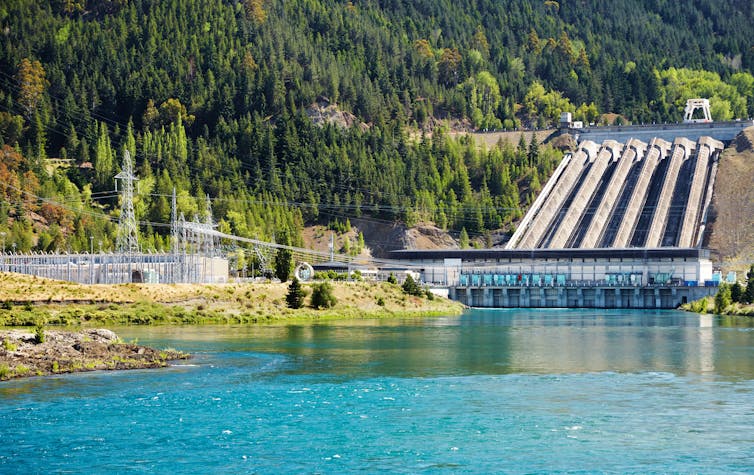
296 112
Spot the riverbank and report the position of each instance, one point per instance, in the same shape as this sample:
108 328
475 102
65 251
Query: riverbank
46 352
28 300
707 305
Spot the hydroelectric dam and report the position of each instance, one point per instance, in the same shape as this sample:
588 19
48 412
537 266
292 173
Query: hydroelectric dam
619 224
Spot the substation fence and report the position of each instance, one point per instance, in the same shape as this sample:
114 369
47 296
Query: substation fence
113 268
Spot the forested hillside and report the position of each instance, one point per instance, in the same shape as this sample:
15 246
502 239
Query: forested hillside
216 98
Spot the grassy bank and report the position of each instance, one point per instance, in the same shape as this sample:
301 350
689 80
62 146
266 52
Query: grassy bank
28 300
707 305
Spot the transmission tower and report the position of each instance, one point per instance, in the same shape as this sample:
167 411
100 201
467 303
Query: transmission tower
211 245
174 231
182 233
128 230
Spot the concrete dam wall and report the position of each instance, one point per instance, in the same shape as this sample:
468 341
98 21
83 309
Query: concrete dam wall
616 195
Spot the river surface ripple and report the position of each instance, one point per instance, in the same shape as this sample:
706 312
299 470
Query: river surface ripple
494 391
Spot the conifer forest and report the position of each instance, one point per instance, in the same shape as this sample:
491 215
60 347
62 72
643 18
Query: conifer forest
288 113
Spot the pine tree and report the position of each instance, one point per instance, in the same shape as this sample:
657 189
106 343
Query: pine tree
411 287
463 240
533 153
736 292
103 158
360 243
31 85
283 264
296 294
722 299
748 296
283 258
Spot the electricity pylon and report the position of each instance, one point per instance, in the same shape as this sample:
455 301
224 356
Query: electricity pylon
128 229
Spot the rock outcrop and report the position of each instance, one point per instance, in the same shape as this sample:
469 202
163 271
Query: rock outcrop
22 353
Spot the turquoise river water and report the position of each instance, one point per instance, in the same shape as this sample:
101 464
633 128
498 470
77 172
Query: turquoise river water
494 391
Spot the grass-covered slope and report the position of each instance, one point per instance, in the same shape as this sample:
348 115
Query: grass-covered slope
26 300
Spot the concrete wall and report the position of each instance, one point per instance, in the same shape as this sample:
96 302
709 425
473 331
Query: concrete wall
723 131
577 271
660 297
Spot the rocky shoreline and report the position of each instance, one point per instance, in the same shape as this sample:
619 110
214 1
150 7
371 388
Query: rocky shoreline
44 352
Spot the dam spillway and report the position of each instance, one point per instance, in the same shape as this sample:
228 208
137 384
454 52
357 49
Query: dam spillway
618 195
619 224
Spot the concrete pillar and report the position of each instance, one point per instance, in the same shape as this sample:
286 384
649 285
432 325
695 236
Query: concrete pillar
682 149
637 298
618 301
694 204
468 297
586 154
658 299
487 294
658 148
568 224
534 209
580 296
506 298
599 297
634 151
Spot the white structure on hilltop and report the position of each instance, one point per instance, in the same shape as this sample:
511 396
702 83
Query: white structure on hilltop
691 106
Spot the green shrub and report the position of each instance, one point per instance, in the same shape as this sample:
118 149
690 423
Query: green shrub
391 279
21 370
322 296
5 372
699 306
380 301
8 345
333 275
39 334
